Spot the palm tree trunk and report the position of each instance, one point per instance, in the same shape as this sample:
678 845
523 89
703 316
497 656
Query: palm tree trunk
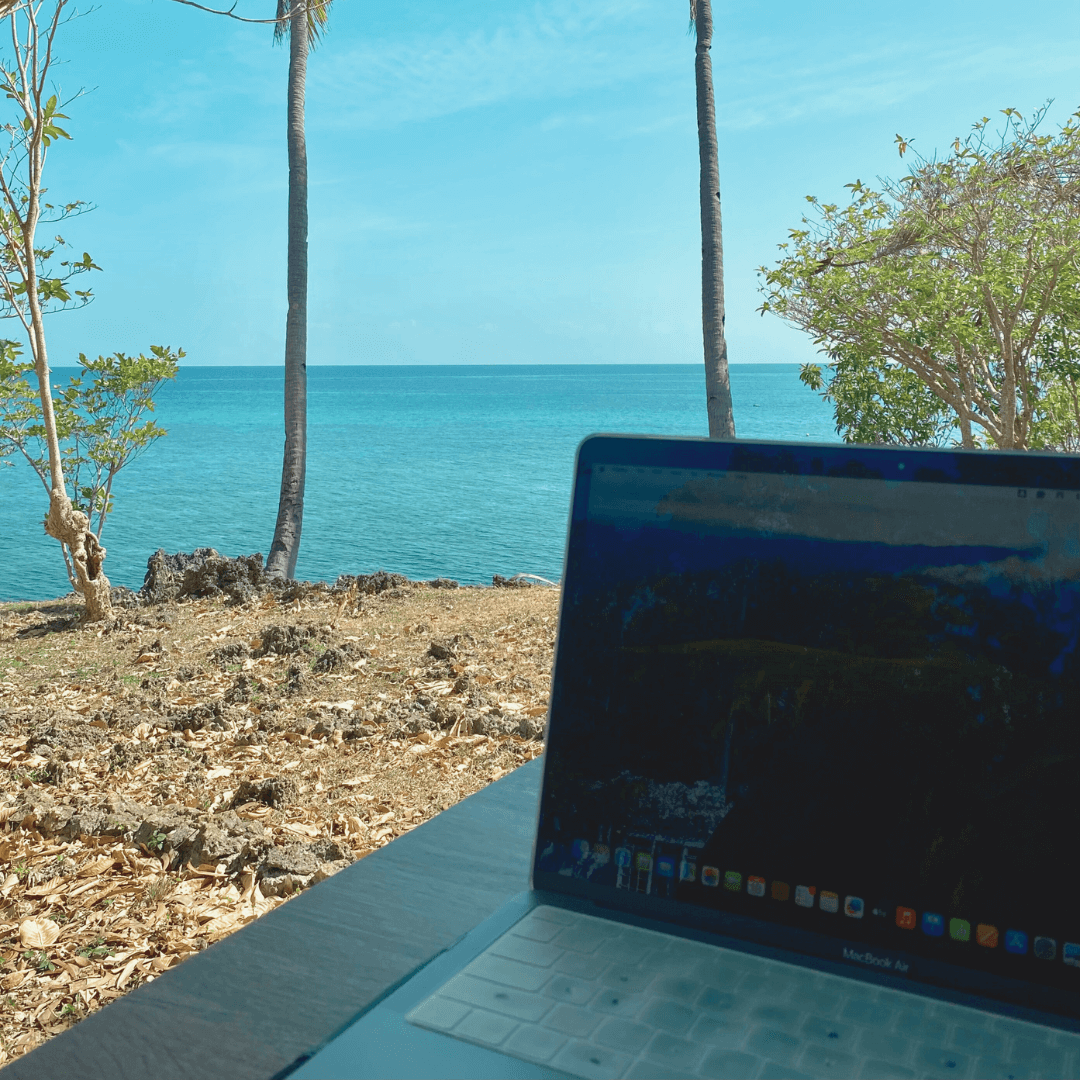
717 382
286 544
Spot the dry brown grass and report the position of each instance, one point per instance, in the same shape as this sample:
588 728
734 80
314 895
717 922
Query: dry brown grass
165 780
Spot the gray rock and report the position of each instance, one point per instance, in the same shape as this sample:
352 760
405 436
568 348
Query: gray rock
516 582
294 859
115 816
283 882
209 715
235 825
97 822
54 820
123 597
338 657
214 846
70 733
166 830
240 691
285 640
274 791
286 870
370 584
296 680
298 590
228 839
165 573
242 578
360 731
234 652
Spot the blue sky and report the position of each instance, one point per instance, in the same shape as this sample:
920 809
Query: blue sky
493 182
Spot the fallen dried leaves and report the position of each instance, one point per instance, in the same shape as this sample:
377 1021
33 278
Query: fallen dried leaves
168 779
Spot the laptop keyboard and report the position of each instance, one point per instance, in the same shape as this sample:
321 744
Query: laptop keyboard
598 999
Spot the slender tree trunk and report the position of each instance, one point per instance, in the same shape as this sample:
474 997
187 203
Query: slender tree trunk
717 382
64 523
286 545
1008 399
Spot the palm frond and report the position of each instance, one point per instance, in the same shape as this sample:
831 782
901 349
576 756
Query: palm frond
281 27
318 16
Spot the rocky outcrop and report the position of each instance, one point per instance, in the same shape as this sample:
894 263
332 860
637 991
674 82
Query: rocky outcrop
204 572
165 573
371 584
190 837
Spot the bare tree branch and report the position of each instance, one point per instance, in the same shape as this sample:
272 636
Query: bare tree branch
280 20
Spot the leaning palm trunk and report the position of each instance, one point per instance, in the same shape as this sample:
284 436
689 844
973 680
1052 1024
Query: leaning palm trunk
286 544
717 381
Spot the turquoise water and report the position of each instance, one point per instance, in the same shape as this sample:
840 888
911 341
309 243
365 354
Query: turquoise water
457 471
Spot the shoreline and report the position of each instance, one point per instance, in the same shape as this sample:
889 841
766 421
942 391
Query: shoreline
125 597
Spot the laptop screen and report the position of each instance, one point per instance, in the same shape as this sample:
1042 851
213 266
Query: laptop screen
827 698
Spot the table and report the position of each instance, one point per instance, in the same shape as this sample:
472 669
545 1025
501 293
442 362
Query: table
257 1003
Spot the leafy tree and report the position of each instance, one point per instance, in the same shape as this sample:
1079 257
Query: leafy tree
98 423
99 419
1056 424
302 22
876 402
717 381
963 274
28 289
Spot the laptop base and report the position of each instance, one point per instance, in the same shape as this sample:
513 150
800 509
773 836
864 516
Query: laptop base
616 995
381 1043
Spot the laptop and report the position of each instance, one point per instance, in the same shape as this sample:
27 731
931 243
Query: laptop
809 804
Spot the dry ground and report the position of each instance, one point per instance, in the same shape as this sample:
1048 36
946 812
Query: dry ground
172 776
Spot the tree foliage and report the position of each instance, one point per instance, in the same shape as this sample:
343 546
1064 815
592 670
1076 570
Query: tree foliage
100 420
876 402
35 122
948 303
94 427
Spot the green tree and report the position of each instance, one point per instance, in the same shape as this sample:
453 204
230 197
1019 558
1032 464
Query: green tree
100 420
878 402
93 429
963 274
29 289
717 380
1056 424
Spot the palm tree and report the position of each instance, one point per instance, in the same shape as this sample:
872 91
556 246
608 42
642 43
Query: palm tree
717 381
302 22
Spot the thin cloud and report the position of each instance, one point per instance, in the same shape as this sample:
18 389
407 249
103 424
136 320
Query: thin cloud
199 154
558 50
863 81
554 51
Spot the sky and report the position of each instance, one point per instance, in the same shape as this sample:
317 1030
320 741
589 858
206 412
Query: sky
498 182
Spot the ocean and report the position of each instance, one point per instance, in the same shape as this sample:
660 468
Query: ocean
451 471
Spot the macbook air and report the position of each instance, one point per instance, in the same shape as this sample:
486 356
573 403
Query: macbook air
809 803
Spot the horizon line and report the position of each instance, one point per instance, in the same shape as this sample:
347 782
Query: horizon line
522 364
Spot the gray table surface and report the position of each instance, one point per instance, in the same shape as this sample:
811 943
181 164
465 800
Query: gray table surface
257 1003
